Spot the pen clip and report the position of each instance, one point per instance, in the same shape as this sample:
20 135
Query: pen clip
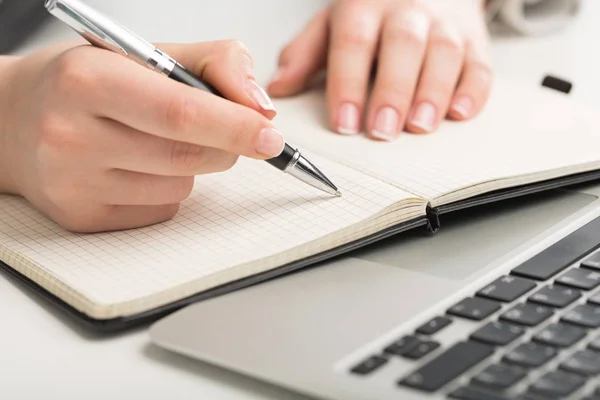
91 32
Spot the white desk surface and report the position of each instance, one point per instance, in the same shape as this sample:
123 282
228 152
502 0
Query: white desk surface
44 355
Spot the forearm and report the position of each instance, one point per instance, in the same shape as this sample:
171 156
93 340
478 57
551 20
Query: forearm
6 63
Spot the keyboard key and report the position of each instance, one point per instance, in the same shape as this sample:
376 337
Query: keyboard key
527 314
507 288
555 296
422 350
592 261
448 366
474 308
584 362
560 335
497 333
557 384
580 278
369 365
469 393
403 345
563 253
530 355
434 326
584 315
595 299
499 376
595 344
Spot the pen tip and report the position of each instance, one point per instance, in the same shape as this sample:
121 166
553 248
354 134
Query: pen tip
338 193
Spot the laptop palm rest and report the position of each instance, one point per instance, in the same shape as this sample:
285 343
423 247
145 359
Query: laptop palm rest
292 330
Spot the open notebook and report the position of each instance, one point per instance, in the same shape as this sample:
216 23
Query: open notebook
254 222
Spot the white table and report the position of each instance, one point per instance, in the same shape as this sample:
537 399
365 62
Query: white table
44 355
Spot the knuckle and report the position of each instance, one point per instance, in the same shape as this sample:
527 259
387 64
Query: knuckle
74 72
447 42
180 113
55 134
233 46
405 34
408 27
358 30
187 157
351 39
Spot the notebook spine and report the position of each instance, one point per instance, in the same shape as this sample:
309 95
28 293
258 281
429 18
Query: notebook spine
433 220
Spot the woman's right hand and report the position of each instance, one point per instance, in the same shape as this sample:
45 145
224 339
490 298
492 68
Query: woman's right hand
99 143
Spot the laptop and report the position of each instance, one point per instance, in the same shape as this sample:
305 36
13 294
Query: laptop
508 307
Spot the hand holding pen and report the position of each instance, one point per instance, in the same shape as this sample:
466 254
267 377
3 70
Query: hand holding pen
103 32
98 143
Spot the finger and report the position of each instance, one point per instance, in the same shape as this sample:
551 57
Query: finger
443 63
115 88
227 65
354 36
403 45
474 86
136 189
122 147
302 58
117 218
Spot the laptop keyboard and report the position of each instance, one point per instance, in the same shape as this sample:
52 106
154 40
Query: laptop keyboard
537 332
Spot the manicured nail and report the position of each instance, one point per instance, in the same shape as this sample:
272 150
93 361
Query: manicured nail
463 106
270 143
259 95
348 119
386 124
424 117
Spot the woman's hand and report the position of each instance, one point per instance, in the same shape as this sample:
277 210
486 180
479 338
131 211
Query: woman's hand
98 143
431 56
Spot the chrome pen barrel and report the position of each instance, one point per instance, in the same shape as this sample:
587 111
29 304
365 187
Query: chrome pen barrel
103 32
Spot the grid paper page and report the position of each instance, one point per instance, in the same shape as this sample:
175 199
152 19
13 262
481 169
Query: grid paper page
239 216
520 132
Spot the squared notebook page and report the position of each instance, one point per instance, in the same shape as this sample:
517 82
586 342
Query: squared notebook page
521 131
246 214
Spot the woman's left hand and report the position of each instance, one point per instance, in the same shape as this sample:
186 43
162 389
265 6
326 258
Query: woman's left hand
431 56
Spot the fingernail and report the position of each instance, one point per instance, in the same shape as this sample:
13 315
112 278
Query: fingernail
463 106
424 117
386 124
270 143
259 95
348 119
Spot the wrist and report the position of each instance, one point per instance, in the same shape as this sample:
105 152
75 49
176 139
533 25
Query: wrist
6 71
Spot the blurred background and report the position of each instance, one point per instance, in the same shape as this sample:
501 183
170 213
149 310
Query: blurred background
531 38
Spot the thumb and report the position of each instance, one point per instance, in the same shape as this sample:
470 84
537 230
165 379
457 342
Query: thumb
302 58
227 66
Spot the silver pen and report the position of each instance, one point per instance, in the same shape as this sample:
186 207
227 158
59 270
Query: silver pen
105 33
